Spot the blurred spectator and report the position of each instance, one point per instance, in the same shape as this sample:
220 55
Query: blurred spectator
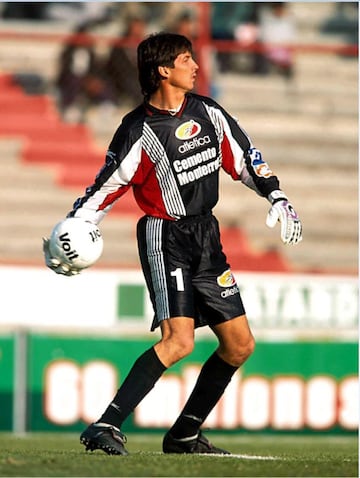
73 12
236 21
184 24
264 29
344 21
25 10
277 33
80 81
121 66
78 12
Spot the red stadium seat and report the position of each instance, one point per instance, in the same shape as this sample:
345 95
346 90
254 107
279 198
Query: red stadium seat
72 151
242 256
81 153
18 103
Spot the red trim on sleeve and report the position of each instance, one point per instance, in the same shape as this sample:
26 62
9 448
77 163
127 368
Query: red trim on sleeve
112 197
228 159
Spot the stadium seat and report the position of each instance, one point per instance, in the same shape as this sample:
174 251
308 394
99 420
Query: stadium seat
68 153
242 256
72 150
18 103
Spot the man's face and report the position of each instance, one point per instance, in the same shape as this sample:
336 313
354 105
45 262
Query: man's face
183 74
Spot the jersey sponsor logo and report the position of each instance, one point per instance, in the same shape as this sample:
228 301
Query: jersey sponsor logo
226 279
188 130
194 160
192 168
260 167
203 170
193 144
263 170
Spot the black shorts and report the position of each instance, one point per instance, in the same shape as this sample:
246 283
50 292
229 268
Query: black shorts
186 271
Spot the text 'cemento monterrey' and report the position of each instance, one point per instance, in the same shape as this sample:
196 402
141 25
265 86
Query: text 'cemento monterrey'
192 168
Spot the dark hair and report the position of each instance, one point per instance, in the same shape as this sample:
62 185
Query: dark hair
159 49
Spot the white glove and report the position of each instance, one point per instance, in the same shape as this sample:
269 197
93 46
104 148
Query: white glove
283 211
54 264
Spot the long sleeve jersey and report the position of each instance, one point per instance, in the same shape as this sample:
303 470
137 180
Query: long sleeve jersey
172 162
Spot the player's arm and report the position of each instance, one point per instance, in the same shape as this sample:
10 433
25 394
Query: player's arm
113 181
257 175
244 162
92 207
117 174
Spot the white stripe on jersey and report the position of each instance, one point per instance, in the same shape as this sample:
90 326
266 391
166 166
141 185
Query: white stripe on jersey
170 192
222 127
128 166
215 119
120 178
157 266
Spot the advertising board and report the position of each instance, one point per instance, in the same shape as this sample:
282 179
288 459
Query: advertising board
67 343
284 386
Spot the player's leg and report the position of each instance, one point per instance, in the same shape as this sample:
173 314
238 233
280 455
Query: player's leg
105 434
236 343
176 342
177 333
220 306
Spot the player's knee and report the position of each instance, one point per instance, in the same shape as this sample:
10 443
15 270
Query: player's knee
245 350
174 349
177 340
182 348
250 347
240 352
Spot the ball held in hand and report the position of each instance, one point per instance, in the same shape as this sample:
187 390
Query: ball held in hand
76 242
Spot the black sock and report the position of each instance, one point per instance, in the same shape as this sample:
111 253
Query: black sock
211 383
140 380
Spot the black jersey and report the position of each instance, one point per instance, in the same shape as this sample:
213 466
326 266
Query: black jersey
172 162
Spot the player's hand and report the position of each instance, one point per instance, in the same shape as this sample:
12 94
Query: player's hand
291 227
54 264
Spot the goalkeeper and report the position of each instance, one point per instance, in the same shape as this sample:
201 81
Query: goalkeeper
169 150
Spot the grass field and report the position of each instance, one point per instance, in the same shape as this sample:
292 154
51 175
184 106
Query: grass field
254 455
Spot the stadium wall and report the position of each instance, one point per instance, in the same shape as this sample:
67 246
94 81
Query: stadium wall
67 343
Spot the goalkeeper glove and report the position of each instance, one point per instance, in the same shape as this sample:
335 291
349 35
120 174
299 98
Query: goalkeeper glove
283 211
55 264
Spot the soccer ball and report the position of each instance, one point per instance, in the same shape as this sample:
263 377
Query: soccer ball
76 242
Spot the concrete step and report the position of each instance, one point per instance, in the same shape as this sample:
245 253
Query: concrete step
28 249
237 95
313 256
309 157
296 133
304 107
336 69
22 240
307 130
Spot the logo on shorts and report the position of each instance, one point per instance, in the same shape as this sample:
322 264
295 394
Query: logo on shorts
188 130
226 279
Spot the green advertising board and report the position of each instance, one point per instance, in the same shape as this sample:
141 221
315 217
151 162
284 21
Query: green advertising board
7 381
284 386
303 375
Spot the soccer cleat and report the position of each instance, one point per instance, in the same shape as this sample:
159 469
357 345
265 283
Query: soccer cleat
197 444
101 436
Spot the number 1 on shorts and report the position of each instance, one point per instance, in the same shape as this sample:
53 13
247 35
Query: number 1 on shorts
177 273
